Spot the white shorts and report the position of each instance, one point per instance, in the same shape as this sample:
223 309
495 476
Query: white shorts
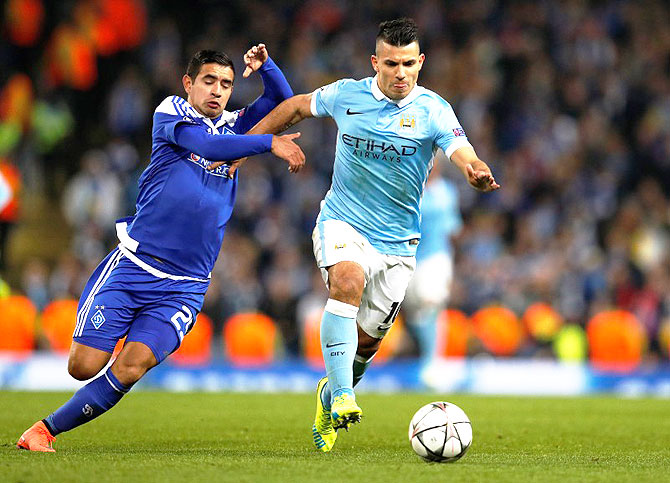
430 285
386 276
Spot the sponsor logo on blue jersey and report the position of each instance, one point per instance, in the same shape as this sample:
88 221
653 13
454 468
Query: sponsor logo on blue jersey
200 161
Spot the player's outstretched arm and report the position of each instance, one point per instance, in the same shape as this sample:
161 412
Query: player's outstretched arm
233 146
288 113
474 169
282 117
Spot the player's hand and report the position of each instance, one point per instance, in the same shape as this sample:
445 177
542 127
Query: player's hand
481 180
234 165
284 147
254 59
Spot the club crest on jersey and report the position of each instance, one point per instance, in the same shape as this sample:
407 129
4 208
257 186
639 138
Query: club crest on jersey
98 318
408 123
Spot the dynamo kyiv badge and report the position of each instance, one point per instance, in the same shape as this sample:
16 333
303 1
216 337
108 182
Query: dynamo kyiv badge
98 318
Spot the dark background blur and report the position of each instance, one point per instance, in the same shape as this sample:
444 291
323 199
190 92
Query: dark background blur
569 103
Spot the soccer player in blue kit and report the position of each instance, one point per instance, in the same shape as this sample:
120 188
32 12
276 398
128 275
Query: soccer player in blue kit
151 287
367 232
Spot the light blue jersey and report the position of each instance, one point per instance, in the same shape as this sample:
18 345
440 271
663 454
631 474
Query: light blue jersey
440 218
383 156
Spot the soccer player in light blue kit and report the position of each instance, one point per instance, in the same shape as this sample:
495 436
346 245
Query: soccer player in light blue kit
428 291
368 230
151 287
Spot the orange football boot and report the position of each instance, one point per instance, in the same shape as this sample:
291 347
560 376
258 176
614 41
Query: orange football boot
37 438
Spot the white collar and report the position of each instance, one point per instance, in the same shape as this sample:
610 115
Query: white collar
379 95
226 116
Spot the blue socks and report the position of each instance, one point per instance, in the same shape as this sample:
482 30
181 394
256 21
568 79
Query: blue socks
87 403
339 341
360 366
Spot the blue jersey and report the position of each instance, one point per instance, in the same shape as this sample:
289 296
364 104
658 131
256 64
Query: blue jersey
383 156
440 218
182 208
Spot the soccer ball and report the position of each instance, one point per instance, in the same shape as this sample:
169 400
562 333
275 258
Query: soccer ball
440 432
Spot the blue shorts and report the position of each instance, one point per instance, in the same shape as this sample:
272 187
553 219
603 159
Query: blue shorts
123 299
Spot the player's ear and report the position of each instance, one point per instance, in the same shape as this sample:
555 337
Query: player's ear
374 62
422 57
187 83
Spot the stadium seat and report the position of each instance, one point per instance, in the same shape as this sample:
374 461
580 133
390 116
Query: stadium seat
17 324
499 330
570 344
664 337
616 340
542 322
453 331
249 339
196 347
58 321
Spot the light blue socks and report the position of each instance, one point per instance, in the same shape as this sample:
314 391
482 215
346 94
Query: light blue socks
339 341
360 366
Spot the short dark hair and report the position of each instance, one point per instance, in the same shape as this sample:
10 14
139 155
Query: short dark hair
398 32
205 56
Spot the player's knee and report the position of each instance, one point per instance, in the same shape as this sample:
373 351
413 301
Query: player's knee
129 373
347 288
81 370
347 282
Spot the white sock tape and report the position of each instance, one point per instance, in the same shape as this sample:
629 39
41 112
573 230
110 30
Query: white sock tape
336 307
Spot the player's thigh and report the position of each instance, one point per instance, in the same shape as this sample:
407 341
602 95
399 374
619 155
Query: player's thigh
335 242
162 326
384 294
346 282
134 360
156 332
103 317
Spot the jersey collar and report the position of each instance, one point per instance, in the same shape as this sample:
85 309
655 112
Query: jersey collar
225 118
379 95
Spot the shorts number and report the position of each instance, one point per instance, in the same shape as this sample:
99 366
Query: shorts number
388 321
185 319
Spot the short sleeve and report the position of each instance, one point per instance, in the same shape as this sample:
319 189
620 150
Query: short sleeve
168 115
449 135
324 99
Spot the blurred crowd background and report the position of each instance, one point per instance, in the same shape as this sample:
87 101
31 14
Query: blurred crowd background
569 102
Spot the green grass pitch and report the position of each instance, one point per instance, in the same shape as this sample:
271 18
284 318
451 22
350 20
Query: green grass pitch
164 437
